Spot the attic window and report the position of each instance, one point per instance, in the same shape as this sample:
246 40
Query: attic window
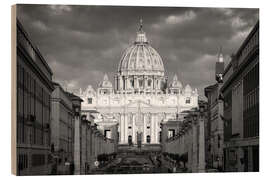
90 100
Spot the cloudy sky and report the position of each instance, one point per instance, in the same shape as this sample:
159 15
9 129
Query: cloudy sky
81 43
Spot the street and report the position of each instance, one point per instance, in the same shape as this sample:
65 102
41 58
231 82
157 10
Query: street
133 163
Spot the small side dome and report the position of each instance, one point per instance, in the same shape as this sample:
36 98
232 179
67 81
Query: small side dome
105 83
89 91
175 83
188 88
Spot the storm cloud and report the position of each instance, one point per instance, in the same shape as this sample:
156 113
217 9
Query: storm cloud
81 43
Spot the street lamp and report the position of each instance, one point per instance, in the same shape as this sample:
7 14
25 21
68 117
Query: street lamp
77 111
201 109
83 117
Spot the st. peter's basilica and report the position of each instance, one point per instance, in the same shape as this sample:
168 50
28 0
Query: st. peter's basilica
141 98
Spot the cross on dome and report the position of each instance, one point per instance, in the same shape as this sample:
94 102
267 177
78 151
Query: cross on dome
141 37
105 78
175 78
141 24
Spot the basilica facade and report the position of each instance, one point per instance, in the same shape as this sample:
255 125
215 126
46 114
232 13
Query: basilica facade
141 98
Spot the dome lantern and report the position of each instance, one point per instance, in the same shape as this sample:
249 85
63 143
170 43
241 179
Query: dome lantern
141 37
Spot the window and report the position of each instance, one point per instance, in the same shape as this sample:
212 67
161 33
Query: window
107 133
149 82
118 136
171 133
90 100
188 100
132 83
38 159
148 139
129 127
251 101
130 140
148 127
140 82
23 161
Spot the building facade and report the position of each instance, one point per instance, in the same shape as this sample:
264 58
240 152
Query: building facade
241 107
141 98
75 166
34 88
214 125
93 144
187 145
62 130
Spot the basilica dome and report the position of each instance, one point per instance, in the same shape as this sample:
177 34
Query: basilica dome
140 58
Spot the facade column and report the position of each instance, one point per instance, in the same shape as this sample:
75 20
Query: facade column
201 167
143 82
126 128
120 82
250 158
144 128
157 128
122 130
194 148
115 82
146 80
135 82
152 128
154 82
77 146
134 116
127 82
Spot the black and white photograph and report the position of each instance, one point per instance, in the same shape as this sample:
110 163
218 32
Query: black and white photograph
104 89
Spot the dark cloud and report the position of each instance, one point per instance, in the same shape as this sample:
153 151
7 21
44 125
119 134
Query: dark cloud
81 43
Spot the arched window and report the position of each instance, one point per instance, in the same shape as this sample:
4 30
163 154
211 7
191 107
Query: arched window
130 140
90 100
